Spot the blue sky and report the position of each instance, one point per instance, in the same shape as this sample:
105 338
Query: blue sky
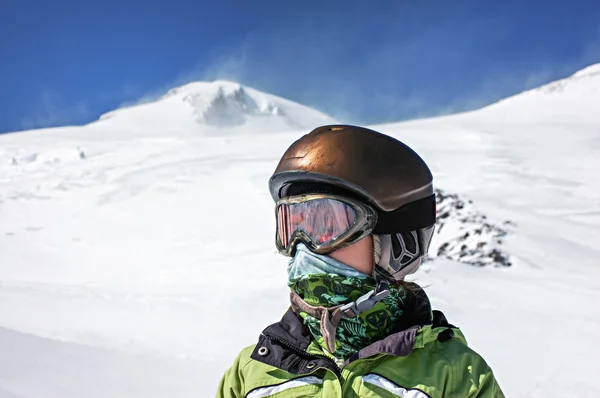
68 61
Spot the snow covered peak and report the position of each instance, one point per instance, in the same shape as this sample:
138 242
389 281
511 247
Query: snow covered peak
230 106
208 88
219 104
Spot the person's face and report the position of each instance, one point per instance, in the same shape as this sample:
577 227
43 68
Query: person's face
358 255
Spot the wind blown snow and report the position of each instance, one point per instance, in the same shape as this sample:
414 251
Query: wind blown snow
137 254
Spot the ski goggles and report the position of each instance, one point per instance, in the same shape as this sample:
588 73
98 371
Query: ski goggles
324 223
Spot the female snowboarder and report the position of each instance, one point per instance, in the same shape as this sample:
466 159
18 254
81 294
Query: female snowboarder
355 212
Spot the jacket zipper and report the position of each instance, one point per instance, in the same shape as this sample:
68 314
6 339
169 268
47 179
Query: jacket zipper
301 352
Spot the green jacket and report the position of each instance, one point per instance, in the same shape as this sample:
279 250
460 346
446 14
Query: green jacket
422 361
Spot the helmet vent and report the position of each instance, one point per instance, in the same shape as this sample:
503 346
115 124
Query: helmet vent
409 242
404 246
396 246
406 259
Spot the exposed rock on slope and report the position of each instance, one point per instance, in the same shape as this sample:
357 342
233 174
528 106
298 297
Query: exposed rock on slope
465 235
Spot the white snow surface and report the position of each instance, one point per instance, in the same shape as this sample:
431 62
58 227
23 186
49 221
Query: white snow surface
137 254
573 101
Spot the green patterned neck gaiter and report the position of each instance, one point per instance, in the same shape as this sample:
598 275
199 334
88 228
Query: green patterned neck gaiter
311 278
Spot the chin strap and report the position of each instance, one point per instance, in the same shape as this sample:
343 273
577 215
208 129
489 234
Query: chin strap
331 317
366 301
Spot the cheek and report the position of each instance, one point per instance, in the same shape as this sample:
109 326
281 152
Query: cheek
358 256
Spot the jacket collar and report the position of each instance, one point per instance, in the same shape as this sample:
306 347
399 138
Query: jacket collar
284 344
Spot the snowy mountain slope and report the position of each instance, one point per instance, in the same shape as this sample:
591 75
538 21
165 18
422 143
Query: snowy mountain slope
572 100
143 266
543 172
219 106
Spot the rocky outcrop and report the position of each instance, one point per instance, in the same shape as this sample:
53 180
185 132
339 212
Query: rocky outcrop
466 235
231 109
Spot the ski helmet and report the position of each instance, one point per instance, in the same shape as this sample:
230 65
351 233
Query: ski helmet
375 168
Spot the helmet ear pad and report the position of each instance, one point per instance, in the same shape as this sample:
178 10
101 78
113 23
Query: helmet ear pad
402 253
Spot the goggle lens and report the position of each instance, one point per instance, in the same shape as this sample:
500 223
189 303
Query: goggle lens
321 220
